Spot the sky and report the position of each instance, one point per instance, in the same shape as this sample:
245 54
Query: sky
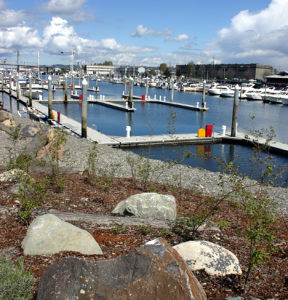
146 32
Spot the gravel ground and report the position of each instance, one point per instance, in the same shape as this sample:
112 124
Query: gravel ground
110 159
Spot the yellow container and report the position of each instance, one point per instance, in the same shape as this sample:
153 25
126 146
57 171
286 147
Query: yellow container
201 132
54 115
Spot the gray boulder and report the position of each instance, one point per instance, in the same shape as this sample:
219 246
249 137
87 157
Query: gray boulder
29 131
48 234
4 115
155 271
148 205
214 259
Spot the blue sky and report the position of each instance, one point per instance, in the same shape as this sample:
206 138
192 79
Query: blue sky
147 32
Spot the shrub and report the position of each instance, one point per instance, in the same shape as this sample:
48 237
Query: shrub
15 283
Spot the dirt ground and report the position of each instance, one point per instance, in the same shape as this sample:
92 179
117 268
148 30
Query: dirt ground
267 281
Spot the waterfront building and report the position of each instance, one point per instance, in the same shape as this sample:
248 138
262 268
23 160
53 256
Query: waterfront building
225 71
99 69
277 79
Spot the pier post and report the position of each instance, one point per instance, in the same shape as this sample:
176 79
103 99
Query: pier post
30 90
50 112
204 94
72 83
84 108
65 87
96 83
2 82
172 91
235 111
147 86
10 85
130 101
17 87
125 85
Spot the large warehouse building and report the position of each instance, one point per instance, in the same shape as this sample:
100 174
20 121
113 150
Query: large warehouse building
225 71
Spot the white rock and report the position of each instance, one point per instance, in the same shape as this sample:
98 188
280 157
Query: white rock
148 205
48 234
214 259
12 175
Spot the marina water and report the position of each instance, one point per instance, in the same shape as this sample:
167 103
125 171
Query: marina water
153 119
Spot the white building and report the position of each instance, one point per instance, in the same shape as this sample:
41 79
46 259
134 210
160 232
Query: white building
99 69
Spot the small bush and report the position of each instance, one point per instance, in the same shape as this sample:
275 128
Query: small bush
15 283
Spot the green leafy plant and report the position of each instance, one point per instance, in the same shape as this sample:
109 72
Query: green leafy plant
101 177
144 171
253 199
146 229
16 159
188 226
31 194
15 283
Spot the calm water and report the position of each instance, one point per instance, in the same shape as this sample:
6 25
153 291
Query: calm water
152 118
208 157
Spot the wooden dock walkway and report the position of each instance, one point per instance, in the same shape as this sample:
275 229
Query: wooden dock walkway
167 102
107 103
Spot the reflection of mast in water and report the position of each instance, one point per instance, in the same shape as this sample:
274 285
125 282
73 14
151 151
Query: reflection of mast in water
128 116
231 152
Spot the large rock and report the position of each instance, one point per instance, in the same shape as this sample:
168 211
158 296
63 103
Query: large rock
155 272
148 205
29 131
214 259
4 115
48 234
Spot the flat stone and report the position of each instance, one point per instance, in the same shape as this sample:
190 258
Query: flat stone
48 234
155 271
148 205
214 259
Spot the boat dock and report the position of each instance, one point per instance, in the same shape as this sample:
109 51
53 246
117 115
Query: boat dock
107 103
164 139
169 103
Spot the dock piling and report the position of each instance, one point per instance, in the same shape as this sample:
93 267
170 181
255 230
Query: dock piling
30 90
204 94
130 101
147 86
65 87
84 108
172 91
50 111
17 87
125 85
235 111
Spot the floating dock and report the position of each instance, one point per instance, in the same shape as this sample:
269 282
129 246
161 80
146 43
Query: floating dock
164 139
107 103
169 103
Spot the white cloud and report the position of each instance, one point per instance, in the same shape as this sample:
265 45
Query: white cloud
9 17
60 36
142 31
180 37
259 37
64 6
72 9
20 37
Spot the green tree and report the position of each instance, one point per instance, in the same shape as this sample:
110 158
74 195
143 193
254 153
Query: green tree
167 73
163 67
191 69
